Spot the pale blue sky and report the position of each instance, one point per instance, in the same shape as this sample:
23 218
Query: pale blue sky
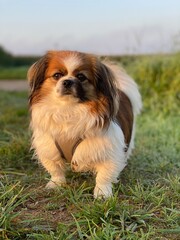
99 26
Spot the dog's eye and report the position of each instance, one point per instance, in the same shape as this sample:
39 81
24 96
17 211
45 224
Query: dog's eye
81 77
58 75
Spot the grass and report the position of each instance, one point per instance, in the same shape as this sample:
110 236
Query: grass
146 200
12 73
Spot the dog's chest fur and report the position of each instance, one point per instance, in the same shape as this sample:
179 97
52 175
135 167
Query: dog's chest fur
66 125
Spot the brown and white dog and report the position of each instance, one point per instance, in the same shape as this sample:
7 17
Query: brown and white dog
82 112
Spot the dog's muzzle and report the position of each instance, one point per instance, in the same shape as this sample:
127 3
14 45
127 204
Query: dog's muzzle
73 87
68 83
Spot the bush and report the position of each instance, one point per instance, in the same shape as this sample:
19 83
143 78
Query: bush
158 77
8 60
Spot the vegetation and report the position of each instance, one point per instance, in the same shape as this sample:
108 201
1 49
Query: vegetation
13 73
146 200
14 67
9 60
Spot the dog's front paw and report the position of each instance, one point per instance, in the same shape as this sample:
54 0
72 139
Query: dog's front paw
79 166
54 183
103 191
74 166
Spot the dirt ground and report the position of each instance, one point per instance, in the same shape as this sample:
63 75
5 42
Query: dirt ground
13 85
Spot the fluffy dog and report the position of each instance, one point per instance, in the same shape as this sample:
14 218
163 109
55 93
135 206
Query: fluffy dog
83 112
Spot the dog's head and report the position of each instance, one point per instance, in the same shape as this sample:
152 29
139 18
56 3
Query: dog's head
76 77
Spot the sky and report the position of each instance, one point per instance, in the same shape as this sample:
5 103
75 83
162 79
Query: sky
98 26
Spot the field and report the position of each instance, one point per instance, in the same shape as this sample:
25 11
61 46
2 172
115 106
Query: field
13 72
146 200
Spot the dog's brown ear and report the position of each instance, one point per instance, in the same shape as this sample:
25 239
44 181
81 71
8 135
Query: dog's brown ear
36 75
106 84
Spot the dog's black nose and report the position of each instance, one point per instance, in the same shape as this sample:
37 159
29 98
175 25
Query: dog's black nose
68 83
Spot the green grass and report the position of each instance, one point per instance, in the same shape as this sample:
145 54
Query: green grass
146 200
13 73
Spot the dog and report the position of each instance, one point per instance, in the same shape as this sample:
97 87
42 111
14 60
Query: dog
83 113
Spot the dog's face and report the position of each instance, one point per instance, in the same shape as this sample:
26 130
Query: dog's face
69 74
73 76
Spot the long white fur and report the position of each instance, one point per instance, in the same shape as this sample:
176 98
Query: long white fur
101 151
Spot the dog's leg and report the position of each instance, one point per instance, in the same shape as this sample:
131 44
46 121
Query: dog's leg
49 157
107 173
57 172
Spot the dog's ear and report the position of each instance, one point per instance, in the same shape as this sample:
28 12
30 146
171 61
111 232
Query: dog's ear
106 85
36 75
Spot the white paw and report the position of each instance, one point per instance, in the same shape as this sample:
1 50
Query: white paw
103 191
74 166
77 166
54 184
